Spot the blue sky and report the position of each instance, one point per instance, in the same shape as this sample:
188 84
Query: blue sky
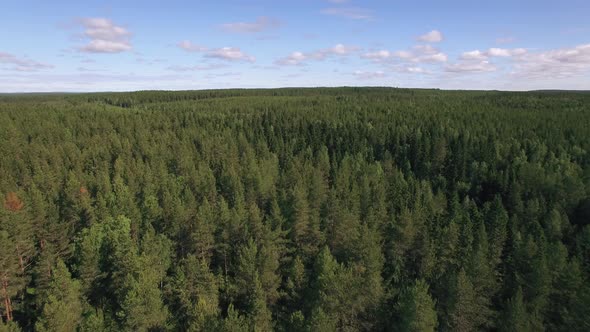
451 44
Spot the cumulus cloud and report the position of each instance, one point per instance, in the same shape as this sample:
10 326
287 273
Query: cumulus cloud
297 58
557 63
492 52
369 75
230 54
433 36
474 55
470 67
426 53
414 70
477 61
21 64
409 69
340 49
105 46
353 13
261 24
223 53
502 52
437 57
104 36
418 54
377 55
293 59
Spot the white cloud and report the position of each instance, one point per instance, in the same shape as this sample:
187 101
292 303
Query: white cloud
492 52
22 64
437 57
261 24
425 53
409 69
418 54
433 36
501 52
223 53
474 55
104 29
293 59
378 55
104 36
105 46
340 49
415 70
425 49
353 13
369 75
558 63
230 54
297 58
190 47
471 67
518 51
405 55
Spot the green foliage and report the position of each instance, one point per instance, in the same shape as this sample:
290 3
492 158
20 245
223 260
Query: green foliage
417 309
515 317
63 308
9 327
341 209
465 313
195 295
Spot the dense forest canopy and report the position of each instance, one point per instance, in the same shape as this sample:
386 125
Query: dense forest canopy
341 209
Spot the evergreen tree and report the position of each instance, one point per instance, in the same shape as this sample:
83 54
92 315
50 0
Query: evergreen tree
417 309
195 294
465 313
62 310
515 317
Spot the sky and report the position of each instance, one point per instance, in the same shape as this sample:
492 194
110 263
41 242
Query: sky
127 45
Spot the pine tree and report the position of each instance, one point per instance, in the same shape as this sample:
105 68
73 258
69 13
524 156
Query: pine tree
320 321
305 230
234 322
143 307
496 221
201 232
9 271
62 310
249 289
515 317
196 295
417 309
17 252
465 312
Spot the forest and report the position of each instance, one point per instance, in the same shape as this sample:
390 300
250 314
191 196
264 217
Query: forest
300 209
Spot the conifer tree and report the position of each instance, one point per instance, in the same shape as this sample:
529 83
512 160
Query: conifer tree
62 310
417 309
